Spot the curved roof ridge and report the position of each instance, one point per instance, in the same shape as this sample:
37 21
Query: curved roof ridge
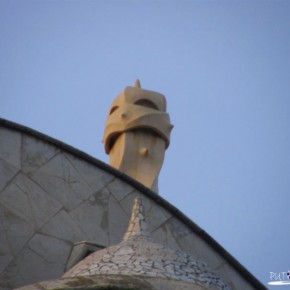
149 193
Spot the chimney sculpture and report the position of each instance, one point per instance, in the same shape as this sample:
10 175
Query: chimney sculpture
137 133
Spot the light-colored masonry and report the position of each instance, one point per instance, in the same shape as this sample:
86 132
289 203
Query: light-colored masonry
138 255
53 196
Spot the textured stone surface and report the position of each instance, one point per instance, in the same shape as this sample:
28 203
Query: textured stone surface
156 216
138 255
164 236
60 179
119 189
94 176
234 279
102 282
49 194
22 270
195 246
50 249
35 153
80 251
26 199
14 232
7 172
116 226
64 227
10 146
92 217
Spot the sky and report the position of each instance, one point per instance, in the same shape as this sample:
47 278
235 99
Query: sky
224 67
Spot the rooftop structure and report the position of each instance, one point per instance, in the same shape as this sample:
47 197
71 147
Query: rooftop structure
63 214
137 133
137 255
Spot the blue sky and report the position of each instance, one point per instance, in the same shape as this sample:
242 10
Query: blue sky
224 67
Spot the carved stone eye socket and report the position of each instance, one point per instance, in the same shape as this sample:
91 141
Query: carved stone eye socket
146 103
113 109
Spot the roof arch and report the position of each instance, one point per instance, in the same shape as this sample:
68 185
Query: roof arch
53 195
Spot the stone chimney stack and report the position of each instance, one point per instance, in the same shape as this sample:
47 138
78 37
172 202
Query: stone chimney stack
137 133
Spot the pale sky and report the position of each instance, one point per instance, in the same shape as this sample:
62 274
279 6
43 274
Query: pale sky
224 67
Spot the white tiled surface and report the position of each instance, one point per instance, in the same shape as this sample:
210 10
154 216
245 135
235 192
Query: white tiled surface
47 194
